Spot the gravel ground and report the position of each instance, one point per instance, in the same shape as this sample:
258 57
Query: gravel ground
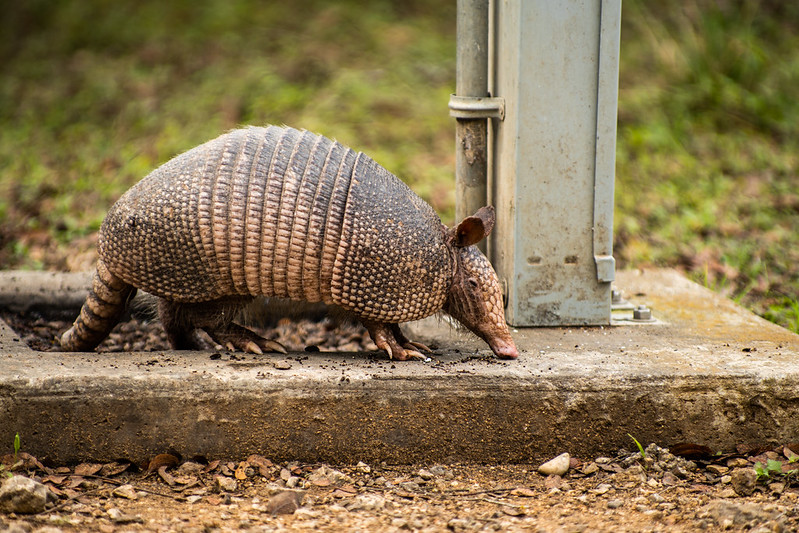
139 334
691 489
627 492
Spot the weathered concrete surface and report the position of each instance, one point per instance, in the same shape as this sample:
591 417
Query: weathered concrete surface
706 371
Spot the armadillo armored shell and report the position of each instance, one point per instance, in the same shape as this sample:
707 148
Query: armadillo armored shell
280 212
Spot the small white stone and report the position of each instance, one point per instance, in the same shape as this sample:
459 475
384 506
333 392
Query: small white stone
224 483
126 491
425 474
602 488
557 466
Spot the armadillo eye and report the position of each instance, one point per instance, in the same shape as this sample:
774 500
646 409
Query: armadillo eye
472 283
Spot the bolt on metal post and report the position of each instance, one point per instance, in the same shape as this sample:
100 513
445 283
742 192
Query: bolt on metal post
642 313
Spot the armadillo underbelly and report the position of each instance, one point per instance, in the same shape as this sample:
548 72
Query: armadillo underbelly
279 212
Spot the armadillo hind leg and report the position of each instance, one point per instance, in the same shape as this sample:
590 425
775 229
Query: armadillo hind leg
180 330
385 337
182 320
101 311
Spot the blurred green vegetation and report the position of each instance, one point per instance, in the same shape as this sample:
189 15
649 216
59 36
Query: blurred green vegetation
707 147
94 94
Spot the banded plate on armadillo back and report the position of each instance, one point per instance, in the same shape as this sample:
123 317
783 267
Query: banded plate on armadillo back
283 213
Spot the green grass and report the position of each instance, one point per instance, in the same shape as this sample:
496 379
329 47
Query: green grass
707 148
95 94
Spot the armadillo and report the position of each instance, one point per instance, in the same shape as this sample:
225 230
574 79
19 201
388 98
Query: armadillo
279 212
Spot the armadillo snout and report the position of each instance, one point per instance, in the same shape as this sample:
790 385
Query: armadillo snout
504 348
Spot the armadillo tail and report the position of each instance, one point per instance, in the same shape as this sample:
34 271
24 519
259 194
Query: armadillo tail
102 309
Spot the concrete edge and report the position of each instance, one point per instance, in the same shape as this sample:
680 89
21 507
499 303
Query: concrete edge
463 407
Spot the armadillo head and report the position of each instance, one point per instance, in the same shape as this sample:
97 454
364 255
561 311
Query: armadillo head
475 297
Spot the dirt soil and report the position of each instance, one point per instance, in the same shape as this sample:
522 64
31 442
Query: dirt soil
629 492
689 488
140 333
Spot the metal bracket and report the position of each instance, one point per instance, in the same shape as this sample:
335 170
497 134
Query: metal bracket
605 268
474 107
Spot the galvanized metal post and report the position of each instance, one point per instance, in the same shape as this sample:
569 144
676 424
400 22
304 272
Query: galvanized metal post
471 107
556 67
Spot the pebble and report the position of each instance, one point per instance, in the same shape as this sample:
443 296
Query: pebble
190 467
118 517
738 462
325 472
590 468
410 486
442 472
680 472
557 466
734 515
367 502
460 524
615 504
399 523
125 491
669 479
22 495
777 487
717 470
224 483
602 488
286 502
425 474
743 481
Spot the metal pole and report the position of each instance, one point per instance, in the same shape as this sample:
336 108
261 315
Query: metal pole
471 133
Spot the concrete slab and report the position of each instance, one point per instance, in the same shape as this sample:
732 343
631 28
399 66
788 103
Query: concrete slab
705 371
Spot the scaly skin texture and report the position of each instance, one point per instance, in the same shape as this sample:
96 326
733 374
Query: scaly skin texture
285 213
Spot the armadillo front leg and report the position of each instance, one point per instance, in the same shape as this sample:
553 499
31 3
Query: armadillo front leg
384 336
181 322
406 343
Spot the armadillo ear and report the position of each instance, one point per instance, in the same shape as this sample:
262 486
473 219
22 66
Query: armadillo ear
475 228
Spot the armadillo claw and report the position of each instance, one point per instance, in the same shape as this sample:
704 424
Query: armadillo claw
251 347
417 345
407 343
384 342
413 354
384 337
274 346
386 348
396 352
235 337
